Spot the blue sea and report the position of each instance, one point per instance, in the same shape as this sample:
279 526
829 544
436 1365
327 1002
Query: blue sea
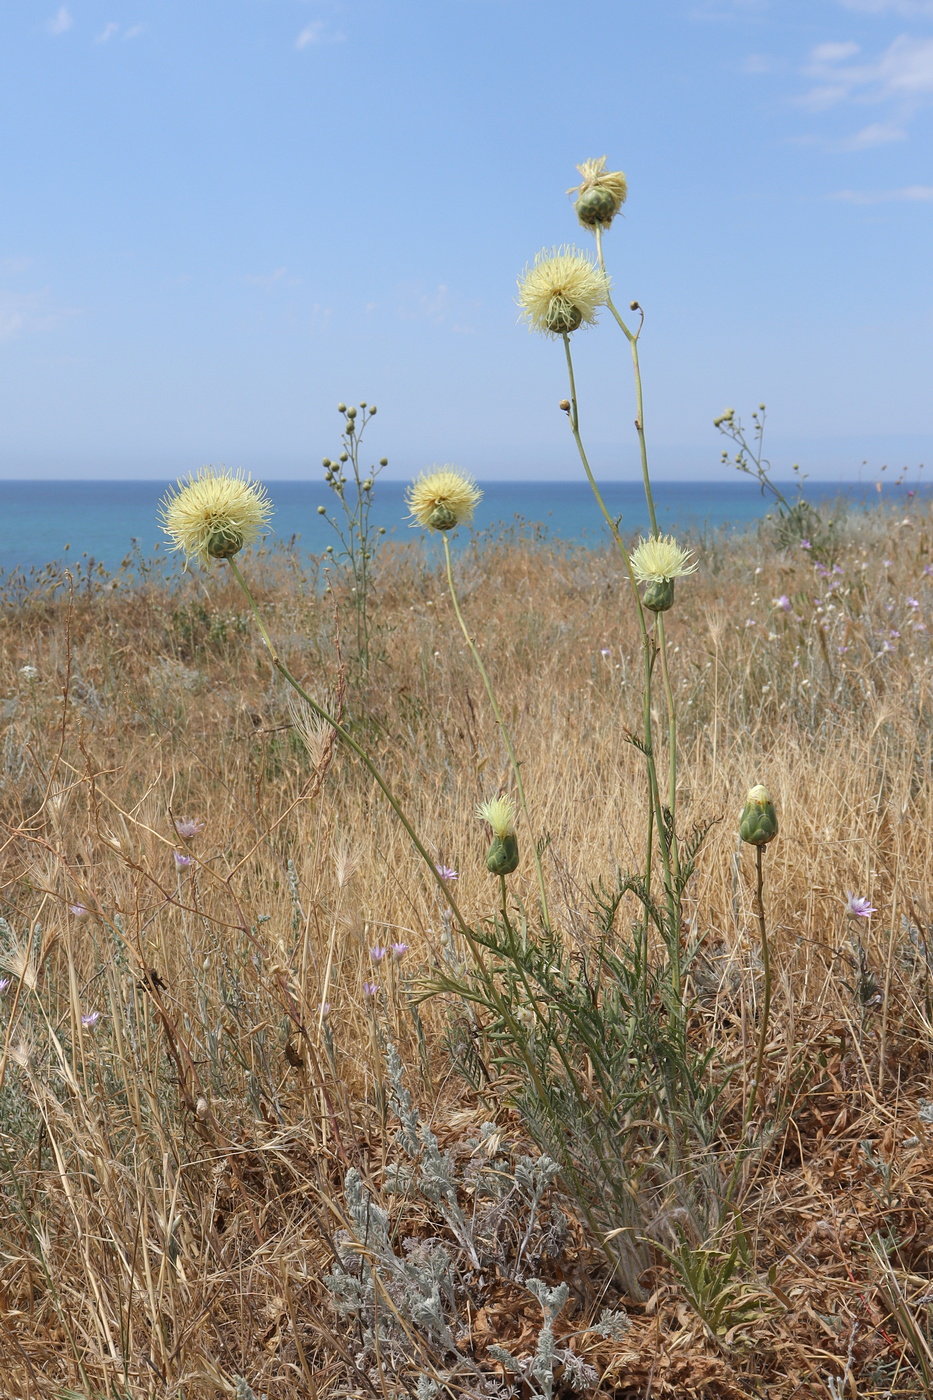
45 522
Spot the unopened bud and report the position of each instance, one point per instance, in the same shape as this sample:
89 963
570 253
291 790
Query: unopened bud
322 510
659 595
372 410
351 412
633 306
341 408
383 461
326 462
565 405
502 856
344 457
224 543
758 823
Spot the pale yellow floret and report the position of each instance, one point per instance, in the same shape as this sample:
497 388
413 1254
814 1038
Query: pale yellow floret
759 794
213 514
500 814
659 558
561 290
445 495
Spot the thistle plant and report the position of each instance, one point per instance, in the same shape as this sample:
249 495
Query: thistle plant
439 501
353 487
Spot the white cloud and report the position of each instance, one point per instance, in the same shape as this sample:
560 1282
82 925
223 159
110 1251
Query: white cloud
756 63
108 31
317 33
916 194
60 23
21 313
900 81
134 32
875 134
909 8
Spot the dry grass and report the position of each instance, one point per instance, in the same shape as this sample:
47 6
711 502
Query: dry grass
171 1176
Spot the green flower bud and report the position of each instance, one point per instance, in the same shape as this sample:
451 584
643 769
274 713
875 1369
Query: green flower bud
341 408
322 510
442 518
596 206
351 412
383 461
758 823
502 856
562 316
224 543
659 595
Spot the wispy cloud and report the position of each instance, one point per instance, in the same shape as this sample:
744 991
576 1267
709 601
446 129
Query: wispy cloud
911 194
107 33
267 281
59 23
910 8
134 31
22 313
900 79
317 32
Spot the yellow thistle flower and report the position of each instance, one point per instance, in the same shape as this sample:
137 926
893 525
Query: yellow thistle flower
213 514
442 499
500 814
600 194
561 290
660 558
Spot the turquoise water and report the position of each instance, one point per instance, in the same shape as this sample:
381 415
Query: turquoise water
105 520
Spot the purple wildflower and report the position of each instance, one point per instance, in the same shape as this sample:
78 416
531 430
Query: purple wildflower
324 1009
399 950
188 829
913 602
928 569
604 651
446 872
181 860
805 544
783 603
370 989
80 911
842 650
887 563
5 985
90 1020
858 906
378 953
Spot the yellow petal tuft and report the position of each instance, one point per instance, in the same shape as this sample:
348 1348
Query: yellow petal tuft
442 499
563 289
500 813
660 558
213 514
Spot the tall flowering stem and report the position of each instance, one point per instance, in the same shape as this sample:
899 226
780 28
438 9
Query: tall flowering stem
650 652
503 728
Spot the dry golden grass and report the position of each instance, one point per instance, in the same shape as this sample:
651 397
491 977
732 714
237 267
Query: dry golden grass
171 1176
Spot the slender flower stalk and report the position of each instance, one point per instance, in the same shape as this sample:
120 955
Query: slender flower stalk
503 728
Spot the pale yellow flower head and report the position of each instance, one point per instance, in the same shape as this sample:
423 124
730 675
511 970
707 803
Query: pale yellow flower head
563 289
442 499
500 814
600 194
759 793
214 514
659 559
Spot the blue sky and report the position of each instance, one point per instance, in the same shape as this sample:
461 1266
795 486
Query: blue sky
220 217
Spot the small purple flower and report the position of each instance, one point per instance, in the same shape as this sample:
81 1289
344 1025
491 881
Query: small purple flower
887 563
913 602
842 650
783 603
80 911
399 950
821 569
446 872
805 544
188 829
750 622
858 906
911 494
894 632
838 569
181 860
324 1010
928 569
370 989
604 651
5 985
378 954
90 1020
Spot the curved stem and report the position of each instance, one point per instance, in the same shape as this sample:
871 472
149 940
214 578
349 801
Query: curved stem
654 809
506 737
360 752
632 338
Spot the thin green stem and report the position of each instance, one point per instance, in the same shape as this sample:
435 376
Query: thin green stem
360 752
766 966
506 737
632 338
654 811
